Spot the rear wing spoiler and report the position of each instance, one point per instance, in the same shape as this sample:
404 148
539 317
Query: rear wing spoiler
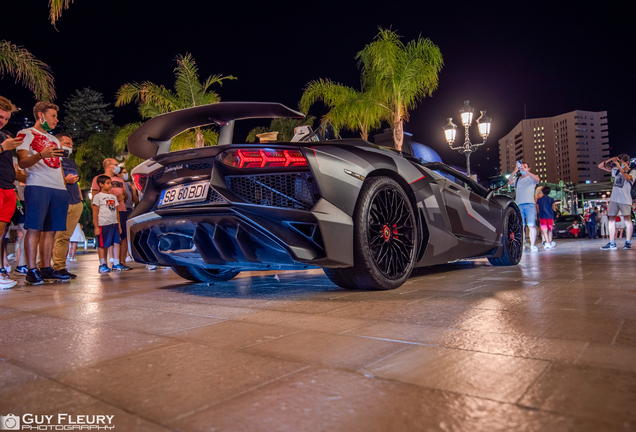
155 136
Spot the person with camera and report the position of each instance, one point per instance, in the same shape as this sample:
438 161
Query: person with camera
525 183
621 198
45 193
7 179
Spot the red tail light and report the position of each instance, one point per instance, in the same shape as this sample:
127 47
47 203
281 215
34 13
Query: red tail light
140 180
262 158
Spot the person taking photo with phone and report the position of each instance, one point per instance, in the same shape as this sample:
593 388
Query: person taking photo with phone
621 198
45 193
525 183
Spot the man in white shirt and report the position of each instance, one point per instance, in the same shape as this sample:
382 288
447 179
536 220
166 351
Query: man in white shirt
621 198
45 194
525 185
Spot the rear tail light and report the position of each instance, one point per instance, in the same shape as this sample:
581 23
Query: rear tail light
262 158
140 180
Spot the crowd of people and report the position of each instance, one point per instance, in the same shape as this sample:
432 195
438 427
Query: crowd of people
535 203
44 174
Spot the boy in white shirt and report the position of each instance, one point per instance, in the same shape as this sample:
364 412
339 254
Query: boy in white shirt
107 226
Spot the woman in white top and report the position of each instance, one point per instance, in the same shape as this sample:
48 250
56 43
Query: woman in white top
604 223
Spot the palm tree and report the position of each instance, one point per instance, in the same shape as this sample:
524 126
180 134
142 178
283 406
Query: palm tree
284 126
154 99
33 73
349 109
399 75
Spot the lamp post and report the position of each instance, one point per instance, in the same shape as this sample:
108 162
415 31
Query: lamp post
450 131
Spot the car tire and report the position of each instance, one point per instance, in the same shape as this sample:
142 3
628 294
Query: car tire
512 239
199 274
385 238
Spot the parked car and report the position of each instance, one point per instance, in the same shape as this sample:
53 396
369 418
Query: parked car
561 224
366 214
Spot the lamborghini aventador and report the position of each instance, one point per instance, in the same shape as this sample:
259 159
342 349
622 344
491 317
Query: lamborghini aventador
368 215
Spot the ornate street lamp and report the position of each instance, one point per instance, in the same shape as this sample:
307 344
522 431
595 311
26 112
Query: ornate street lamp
450 131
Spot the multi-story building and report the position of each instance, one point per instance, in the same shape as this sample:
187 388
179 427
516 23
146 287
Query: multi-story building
566 147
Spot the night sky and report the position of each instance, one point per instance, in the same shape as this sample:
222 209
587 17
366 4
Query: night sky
548 58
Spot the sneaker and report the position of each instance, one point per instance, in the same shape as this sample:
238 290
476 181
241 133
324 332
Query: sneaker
7 269
129 259
11 257
103 268
110 260
33 277
547 246
65 272
6 282
609 246
121 267
553 244
534 249
72 259
21 270
628 245
49 274
151 267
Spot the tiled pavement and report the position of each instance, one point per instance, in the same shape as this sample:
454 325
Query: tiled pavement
549 345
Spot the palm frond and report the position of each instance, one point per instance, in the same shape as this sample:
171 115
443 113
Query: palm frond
121 139
25 68
55 9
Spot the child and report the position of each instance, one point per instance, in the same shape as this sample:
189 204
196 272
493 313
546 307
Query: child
77 237
545 209
107 226
575 228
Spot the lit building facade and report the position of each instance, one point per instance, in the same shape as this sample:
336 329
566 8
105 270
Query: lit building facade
566 147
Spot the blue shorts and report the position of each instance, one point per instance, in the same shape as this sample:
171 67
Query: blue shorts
109 236
47 208
528 214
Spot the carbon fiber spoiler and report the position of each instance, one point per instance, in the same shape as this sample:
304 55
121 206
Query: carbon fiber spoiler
155 136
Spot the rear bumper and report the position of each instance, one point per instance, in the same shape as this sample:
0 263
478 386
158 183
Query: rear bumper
250 237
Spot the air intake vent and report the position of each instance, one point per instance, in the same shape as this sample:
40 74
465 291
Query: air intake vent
288 190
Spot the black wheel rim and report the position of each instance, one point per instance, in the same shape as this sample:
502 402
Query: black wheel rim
514 236
391 233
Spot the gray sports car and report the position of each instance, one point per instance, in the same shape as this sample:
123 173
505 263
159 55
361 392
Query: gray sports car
365 214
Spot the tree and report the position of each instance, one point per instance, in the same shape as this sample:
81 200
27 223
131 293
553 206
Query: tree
25 68
90 156
399 75
284 126
154 99
349 108
86 114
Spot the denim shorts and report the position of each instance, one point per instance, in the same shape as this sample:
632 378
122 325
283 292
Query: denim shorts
46 209
528 214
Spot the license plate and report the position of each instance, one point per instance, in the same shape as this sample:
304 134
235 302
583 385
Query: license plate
182 194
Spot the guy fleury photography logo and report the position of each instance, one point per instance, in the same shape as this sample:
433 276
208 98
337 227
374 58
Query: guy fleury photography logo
54 422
